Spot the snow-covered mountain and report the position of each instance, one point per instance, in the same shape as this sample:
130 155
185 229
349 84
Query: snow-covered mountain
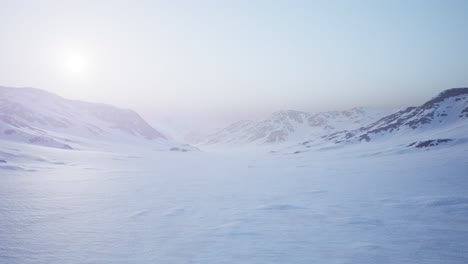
446 112
439 121
38 117
293 126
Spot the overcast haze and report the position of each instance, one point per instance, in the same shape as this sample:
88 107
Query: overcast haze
206 60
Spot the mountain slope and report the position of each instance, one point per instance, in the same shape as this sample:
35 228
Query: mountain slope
290 125
447 110
38 117
443 120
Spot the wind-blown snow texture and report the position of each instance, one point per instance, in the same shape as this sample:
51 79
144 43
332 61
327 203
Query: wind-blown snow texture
140 206
382 201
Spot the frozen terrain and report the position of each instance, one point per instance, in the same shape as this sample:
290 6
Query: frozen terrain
37 117
398 197
350 205
291 126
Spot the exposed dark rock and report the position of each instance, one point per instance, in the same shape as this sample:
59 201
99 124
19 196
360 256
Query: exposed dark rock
178 149
411 117
364 137
444 95
65 146
9 131
429 143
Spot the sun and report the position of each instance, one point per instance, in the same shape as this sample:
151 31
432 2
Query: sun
76 63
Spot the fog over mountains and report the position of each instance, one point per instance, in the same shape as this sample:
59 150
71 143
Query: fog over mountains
447 112
292 126
38 117
34 116
442 120
93 181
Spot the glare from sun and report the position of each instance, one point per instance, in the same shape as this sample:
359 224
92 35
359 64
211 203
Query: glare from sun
76 63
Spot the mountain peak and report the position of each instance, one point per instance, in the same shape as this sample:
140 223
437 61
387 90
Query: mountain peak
445 112
453 92
292 125
286 112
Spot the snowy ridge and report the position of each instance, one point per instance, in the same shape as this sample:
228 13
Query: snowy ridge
290 126
443 120
38 117
142 206
382 201
448 109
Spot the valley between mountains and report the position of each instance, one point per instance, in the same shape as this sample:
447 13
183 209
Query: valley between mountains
93 183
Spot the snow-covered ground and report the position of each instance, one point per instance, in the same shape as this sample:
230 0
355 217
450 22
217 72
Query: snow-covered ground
353 204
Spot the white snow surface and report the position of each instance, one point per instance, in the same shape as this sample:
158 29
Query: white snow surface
354 204
400 197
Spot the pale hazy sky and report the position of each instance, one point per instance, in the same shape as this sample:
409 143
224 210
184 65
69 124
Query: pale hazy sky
225 59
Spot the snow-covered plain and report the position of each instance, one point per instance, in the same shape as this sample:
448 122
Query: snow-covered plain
392 191
353 204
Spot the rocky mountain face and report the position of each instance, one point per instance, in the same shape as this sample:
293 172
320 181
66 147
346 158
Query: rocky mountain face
443 113
440 122
292 126
38 117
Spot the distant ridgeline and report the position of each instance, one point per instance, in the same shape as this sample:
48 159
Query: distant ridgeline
38 117
442 120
